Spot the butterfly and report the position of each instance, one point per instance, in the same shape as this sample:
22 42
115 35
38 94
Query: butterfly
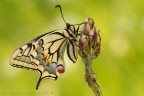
45 53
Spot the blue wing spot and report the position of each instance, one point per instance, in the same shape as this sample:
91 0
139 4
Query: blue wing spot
53 68
41 42
54 65
42 48
41 56
47 68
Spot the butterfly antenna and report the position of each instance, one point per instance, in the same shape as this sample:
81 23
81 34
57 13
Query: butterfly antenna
60 11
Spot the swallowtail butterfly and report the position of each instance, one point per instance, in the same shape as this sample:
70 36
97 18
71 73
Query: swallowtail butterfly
45 53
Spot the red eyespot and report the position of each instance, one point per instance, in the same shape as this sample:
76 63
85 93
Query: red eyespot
60 69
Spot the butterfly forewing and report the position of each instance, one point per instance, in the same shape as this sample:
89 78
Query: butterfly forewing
41 52
22 59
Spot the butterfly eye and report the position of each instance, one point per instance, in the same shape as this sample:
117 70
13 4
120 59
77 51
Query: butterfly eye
60 69
68 25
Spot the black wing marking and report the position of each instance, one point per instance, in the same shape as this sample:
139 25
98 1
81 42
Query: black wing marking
72 51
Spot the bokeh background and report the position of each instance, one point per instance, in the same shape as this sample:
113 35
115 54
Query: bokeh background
119 68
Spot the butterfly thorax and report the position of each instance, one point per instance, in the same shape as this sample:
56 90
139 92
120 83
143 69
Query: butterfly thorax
71 30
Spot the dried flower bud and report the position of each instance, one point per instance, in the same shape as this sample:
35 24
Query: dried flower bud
90 22
96 43
96 37
85 29
88 26
92 36
90 40
96 52
83 42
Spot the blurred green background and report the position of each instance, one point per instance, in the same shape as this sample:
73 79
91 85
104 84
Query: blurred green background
119 68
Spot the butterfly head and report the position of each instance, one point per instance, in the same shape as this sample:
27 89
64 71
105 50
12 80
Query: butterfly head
68 25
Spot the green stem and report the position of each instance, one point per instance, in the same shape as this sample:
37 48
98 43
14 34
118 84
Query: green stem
90 75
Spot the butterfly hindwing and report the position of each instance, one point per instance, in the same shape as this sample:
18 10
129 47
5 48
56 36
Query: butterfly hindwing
72 49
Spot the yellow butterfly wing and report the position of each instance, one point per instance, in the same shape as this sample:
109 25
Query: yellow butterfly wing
44 54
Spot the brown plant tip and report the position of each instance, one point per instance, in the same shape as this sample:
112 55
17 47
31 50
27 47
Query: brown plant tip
90 38
83 42
89 49
90 22
86 29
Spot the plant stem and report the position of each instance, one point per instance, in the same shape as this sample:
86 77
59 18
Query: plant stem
90 75
89 44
